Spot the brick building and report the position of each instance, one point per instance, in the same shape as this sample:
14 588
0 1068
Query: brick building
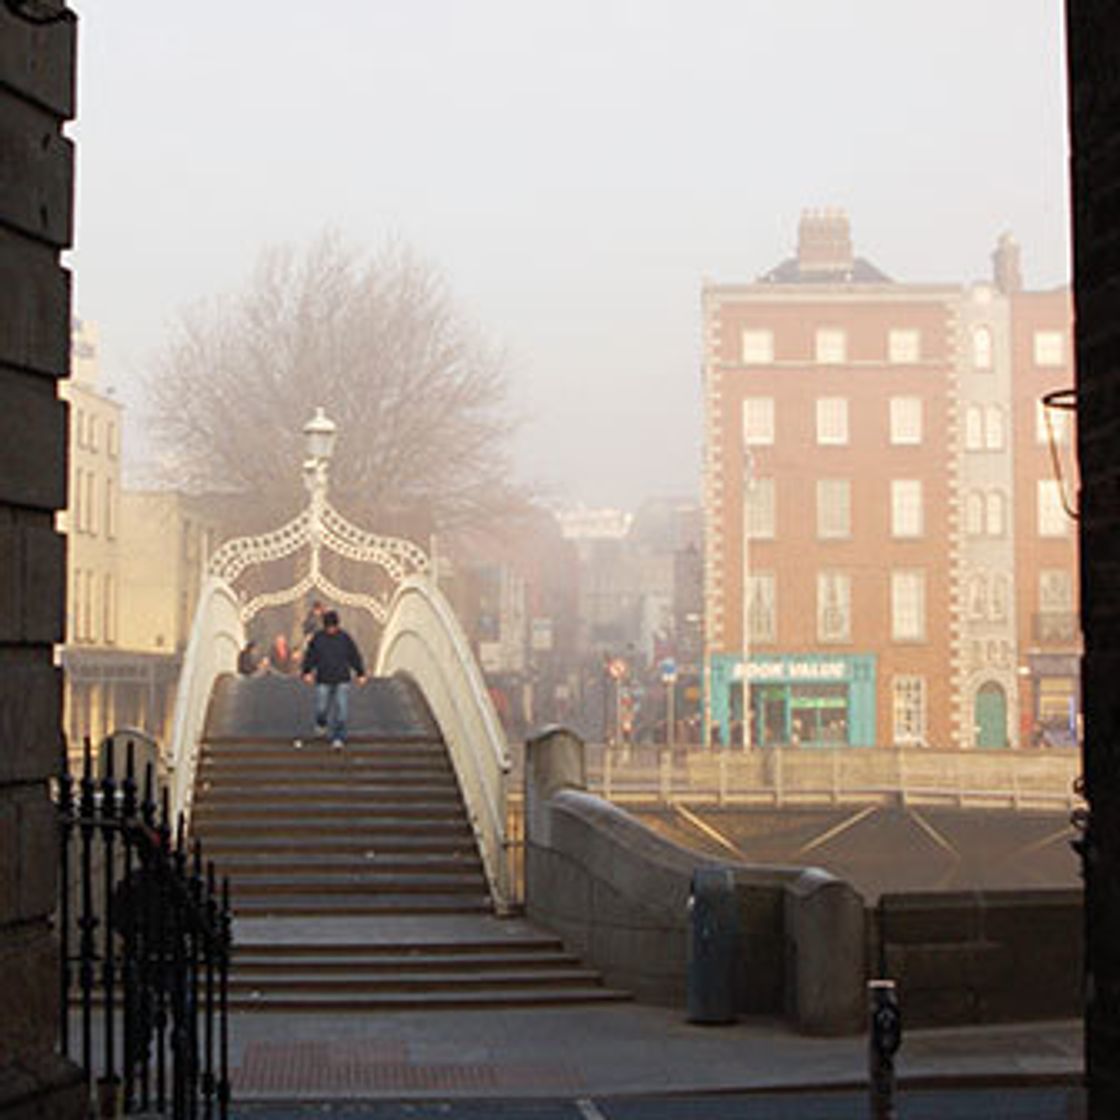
884 545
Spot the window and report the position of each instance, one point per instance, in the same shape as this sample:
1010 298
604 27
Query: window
762 617
974 428
759 512
1051 420
758 421
77 499
834 607
109 609
110 509
1052 519
1049 348
1055 589
80 428
974 513
906 421
908 704
993 428
908 606
76 631
996 509
91 432
758 347
906 507
832 420
831 346
1001 595
91 501
834 508
904 347
978 596
112 444
87 608
982 348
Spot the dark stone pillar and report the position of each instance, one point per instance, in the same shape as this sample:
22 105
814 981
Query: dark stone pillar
36 182
1093 28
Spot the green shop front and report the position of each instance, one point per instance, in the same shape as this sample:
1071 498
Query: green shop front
807 700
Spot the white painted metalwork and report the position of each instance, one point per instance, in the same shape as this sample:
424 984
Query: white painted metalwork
217 635
423 641
320 526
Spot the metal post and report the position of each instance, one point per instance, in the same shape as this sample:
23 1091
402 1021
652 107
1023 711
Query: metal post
87 923
65 831
884 1039
129 967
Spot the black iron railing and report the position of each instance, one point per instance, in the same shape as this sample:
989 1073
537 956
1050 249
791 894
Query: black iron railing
145 938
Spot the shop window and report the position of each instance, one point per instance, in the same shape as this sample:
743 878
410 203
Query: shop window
1057 712
757 347
831 346
832 421
907 514
908 705
982 348
834 508
908 606
1049 348
762 615
758 421
904 347
759 509
818 714
834 607
1052 518
906 421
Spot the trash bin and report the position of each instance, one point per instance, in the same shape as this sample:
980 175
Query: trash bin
713 938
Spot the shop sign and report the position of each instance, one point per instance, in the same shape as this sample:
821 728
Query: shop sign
795 669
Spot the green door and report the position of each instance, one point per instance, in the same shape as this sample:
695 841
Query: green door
991 716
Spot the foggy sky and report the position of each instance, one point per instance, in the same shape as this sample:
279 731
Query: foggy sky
576 169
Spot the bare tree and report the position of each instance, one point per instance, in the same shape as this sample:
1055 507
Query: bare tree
419 397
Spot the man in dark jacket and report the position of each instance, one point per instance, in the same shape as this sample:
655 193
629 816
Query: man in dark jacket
330 658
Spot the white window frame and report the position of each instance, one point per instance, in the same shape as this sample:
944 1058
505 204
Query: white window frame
908 605
834 509
762 608
832 421
756 346
983 347
995 513
907 508
834 607
973 428
1052 518
1049 349
760 509
974 513
995 428
909 709
904 346
906 421
758 421
830 346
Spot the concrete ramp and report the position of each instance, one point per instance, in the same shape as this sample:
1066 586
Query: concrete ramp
281 707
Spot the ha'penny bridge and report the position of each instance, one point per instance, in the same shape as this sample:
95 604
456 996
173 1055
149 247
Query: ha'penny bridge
427 867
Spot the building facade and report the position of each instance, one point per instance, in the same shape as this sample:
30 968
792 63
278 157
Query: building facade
873 491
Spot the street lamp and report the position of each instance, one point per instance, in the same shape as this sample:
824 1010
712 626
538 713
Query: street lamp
319 434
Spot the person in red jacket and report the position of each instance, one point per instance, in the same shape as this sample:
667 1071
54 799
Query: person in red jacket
330 660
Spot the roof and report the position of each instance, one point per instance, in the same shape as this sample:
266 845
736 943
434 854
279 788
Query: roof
789 271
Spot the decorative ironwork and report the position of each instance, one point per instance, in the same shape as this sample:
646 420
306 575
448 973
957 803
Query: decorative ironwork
319 526
153 950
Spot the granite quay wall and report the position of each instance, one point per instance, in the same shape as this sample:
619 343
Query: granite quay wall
980 957
36 178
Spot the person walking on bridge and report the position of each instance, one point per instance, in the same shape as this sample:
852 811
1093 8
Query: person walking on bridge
330 659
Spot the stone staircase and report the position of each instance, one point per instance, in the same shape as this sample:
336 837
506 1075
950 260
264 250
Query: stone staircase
356 880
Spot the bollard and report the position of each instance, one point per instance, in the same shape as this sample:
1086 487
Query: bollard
884 1039
713 942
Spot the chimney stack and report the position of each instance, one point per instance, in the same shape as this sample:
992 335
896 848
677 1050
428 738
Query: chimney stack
1007 270
824 241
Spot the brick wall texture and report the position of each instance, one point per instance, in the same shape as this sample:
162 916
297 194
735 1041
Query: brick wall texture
36 183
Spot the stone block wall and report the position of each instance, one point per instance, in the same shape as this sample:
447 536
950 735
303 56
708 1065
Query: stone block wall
36 178
1093 30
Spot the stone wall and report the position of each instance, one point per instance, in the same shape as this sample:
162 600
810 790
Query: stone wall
1093 30
980 956
36 178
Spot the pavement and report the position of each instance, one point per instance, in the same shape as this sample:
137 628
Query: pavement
628 1061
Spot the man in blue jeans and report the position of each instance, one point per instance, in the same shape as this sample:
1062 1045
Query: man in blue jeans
330 658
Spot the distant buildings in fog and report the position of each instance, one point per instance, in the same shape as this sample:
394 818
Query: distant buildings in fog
887 556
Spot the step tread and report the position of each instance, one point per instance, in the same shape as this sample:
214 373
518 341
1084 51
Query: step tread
329 962
420 1000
